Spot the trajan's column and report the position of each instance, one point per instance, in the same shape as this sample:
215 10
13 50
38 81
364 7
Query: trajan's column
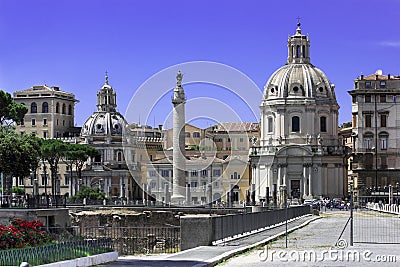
179 160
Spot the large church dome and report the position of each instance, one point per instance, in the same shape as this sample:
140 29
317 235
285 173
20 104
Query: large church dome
299 78
299 81
106 121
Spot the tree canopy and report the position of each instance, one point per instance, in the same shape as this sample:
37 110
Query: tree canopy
19 154
10 111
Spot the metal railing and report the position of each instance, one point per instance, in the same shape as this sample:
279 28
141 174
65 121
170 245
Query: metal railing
232 225
129 240
63 250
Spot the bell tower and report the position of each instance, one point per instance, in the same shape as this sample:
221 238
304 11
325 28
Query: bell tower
298 47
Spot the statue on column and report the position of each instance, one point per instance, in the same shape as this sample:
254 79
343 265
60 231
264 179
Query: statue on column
179 77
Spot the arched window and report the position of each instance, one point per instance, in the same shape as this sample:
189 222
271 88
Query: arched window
57 108
298 51
322 124
69 110
304 51
45 107
63 108
33 108
295 124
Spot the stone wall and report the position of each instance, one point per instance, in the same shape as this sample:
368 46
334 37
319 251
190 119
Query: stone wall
124 218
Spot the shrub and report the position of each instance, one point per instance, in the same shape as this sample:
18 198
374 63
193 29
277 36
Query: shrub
22 233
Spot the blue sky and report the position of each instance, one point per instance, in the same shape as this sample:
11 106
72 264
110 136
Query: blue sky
72 43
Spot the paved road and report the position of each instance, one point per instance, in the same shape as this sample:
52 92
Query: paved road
314 244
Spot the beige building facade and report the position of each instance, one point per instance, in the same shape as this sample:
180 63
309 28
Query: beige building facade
50 112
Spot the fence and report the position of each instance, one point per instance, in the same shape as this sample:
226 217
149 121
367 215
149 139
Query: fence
202 231
129 240
63 250
376 223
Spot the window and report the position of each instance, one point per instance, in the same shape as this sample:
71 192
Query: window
368 120
152 173
216 173
382 84
270 125
384 142
33 122
194 174
353 99
196 135
304 51
69 110
367 85
383 120
44 122
193 184
204 173
33 108
165 173
298 51
295 124
44 182
153 184
235 176
66 178
354 121
241 139
367 98
119 156
187 135
44 134
323 124
382 98
368 142
45 107
63 108
63 122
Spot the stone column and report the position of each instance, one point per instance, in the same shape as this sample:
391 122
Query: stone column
188 198
305 193
178 131
310 191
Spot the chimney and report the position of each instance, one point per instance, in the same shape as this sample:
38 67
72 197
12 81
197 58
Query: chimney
362 76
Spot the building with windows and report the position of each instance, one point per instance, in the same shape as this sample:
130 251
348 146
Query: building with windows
375 131
232 136
298 154
50 112
205 177
193 136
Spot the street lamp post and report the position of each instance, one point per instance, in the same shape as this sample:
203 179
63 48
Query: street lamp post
283 194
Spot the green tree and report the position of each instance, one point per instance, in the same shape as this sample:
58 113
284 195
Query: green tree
53 150
10 111
19 154
76 155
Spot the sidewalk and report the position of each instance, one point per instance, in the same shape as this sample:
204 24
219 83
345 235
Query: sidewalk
212 255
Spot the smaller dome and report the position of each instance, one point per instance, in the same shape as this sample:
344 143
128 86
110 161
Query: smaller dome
104 124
